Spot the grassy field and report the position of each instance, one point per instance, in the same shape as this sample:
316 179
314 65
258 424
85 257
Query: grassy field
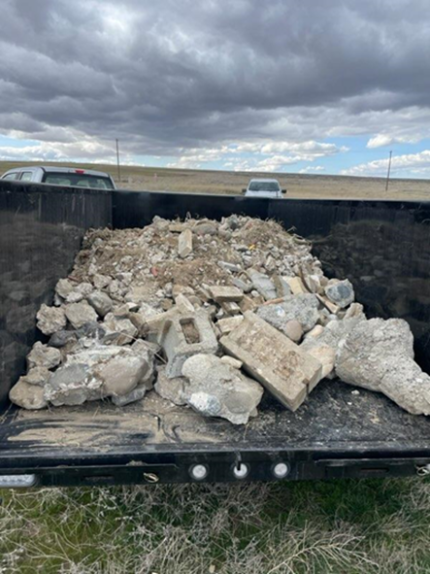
346 527
297 185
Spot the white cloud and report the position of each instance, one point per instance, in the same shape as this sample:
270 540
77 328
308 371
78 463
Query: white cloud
312 169
400 165
381 140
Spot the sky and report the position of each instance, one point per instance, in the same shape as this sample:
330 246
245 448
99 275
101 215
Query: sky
296 86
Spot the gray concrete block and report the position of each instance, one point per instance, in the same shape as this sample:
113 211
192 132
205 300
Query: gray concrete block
183 336
269 356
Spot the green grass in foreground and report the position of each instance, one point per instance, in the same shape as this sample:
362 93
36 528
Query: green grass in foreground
340 527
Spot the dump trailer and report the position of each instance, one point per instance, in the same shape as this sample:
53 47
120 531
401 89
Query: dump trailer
383 247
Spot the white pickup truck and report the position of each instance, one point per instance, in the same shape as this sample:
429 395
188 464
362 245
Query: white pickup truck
264 188
64 176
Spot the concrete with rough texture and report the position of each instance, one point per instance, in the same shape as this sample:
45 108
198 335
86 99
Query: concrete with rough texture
302 308
50 319
378 355
27 396
80 313
101 302
216 389
262 283
185 243
174 341
287 371
171 389
341 293
43 356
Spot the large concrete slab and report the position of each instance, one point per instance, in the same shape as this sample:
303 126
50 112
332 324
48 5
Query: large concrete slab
286 371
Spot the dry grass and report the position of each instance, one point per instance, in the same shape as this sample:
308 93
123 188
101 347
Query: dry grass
298 186
351 527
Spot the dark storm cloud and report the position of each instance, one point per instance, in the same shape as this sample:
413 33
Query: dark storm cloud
180 73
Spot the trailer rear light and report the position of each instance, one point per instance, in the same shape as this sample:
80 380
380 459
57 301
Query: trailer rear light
199 471
17 480
79 171
241 470
281 470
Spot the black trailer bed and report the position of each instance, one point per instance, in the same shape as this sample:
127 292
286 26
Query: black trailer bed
336 433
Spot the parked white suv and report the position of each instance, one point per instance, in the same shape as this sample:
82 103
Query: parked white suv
264 188
64 176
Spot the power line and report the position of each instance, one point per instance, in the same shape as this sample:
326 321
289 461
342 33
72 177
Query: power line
117 160
388 172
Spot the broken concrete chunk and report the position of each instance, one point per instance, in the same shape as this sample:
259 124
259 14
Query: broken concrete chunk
64 287
331 307
296 285
228 324
355 310
288 372
80 313
37 376
216 389
340 292
81 291
171 389
119 331
61 338
28 396
101 302
43 356
281 286
224 293
378 355
97 372
101 281
185 243
302 308
235 363
262 284
206 228
71 385
50 319
230 308
136 394
312 283
184 336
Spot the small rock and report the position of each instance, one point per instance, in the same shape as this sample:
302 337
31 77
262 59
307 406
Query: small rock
296 285
90 330
119 331
185 243
206 228
37 376
262 284
228 324
27 396
43 356
136 394
225 293
64 287
293 330
61 338
340 292
235 363
355 310
101 281
216 389
80 313
281 286
101 302
50 319
170 389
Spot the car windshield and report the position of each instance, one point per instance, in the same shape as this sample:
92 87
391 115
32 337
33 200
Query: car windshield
264 186
78 180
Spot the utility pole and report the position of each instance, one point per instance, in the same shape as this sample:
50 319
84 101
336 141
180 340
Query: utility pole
388 172
117 160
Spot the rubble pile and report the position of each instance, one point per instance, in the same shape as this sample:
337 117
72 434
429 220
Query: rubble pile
210 314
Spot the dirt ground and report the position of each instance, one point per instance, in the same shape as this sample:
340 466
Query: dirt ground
225 182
